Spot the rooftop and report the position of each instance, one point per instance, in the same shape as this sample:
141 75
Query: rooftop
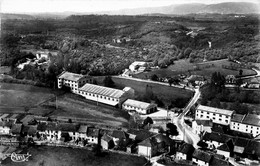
83 129
215 110
237 118
106 138
224 147
201 155
100 90
119 134
186 148
205 122
70 76
140 63
218 137
252 120
138 104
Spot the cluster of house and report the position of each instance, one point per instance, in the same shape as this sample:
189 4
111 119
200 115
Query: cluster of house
42 59
254 83
82 85
186 152
240 140
16 129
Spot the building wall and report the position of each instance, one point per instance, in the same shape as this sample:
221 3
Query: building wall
4 130
104 144
144 151
215 117
99 98
212 144
139 110
224 153
199 162
72 84
181 156
245 128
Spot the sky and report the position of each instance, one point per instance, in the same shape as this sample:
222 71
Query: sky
42 6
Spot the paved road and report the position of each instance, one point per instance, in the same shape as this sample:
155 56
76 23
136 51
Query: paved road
186 130
253 76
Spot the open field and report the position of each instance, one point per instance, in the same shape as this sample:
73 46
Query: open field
79 109
185 67
164 92
19 95
58 156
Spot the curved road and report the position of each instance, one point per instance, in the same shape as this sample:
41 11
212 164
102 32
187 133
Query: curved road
188 135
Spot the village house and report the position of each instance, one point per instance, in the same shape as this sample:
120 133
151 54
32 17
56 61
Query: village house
155 145
54 131
202 158
92 135
253 85
105 95
201 126
16 129
5 127
82 132
215 140
217 115
219 162
197 79
107 142
249 123
185 152
119 135
73 81
139 106
139 135
224 150
30 132
230 79
134 67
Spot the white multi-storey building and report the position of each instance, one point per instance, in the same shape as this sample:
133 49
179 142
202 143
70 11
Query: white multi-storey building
217 115
73 81
105 95
246 123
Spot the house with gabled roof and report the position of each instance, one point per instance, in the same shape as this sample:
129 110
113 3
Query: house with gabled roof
214 139
224 150
185 151
93 135
155 145
201 126
202 158
139 135
107 142
119 135
219 162
5 127
139 106
16 129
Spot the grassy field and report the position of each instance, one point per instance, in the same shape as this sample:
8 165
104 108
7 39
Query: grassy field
163 92
80 109
19 95
185 67
57 156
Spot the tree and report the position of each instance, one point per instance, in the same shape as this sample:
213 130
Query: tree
171 129
154 77
148 120
108 82
240 72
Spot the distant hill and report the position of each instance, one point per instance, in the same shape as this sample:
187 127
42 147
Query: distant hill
181 9
221 8
231 8
6 16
